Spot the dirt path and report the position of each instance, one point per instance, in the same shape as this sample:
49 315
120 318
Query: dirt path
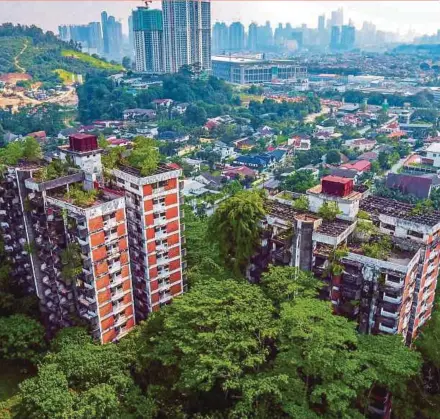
16 62
311 118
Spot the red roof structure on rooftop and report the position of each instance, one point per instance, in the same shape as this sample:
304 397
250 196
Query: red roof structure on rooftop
336 185
83 142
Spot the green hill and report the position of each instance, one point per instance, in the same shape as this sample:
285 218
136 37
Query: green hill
27 49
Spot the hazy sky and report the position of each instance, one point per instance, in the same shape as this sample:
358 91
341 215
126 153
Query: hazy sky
402 16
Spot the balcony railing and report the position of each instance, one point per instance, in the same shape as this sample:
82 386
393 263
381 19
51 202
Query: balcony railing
391 299
389 314
386 329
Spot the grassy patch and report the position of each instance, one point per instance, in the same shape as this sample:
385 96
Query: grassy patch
246 98
94 62
66 76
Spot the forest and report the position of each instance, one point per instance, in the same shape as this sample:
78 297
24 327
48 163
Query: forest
225 349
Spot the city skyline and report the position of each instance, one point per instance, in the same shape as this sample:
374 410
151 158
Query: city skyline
409 17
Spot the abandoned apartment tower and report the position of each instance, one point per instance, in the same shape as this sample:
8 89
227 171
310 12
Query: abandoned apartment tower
391 291
107 262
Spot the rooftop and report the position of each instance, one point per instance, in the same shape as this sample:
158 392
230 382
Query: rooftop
161 168
376 205
434 148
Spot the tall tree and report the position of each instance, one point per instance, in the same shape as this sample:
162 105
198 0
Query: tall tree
235 228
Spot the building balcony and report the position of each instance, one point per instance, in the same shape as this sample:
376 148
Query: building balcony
110 223
389 314
118 280
120 320
163 274
160 220
164 298
160 235
392 299
117 308
386 329
114 268
117 295
159 207
111 237
87 314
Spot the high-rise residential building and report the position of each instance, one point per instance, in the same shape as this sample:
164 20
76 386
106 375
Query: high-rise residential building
390 292
114 31
335 37
105 38
348 37
298 37
148 40
89 36
252 37
321 23
279 35
236 37
155 235
131 34
107 260
187 34
220 37
337 18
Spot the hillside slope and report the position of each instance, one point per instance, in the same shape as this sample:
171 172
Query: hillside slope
43 56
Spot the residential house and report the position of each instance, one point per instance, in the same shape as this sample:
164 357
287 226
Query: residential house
299 144
369 155
244 144
162 103
139 114
224 150
420 186
40 136
359 166
242 171
361 144
210 181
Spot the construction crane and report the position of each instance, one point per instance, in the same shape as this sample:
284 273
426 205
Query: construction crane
147 2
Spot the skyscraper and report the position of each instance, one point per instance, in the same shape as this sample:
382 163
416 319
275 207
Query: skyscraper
335 38
337 17
130 33
220 37
187 33
104 24
252 36
89 36
348 35
148 40
236 36
114 31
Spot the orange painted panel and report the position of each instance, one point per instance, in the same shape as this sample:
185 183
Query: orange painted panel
109 336
172 213
126 285
106 323
129 311
174 264
155 298
97 239
151 247
173 226
123 244
156 308
148 205
176 289
101 268
124 258
172 184
152 260
153 272
99 253
147 189
175 277
150 233
103 282
125 271
173 252
104 296
127 298
130 323
121 230
149 220
107 309
174 239
96 223
154 285
171 199
120 215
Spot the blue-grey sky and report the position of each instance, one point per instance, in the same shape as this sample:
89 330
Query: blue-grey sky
402 16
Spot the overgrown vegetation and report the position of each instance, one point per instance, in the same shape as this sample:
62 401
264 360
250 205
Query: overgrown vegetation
80 197
145 155
29 150
329 210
